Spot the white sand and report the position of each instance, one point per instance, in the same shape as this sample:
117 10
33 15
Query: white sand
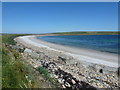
90 56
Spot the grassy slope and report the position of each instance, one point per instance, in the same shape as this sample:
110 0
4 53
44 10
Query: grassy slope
14 69
8 38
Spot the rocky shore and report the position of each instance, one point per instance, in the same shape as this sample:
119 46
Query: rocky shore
69 72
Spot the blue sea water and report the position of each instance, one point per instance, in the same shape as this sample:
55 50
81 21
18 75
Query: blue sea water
105 43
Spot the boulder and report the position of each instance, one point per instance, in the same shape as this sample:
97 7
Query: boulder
28 50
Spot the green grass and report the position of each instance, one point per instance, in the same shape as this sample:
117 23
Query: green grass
14 68
88 33
43 71
8 38
46 74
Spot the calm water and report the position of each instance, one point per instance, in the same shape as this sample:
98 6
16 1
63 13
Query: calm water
105 43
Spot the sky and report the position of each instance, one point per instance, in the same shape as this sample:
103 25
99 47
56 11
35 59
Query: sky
49 17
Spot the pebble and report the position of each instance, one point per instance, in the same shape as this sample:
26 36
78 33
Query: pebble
67 84
73 81
60 71
60 80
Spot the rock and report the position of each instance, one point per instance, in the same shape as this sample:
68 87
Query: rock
79 84
118 71
35 66
28 50
73 81
33 54
94 75
99 85
61 59
63 86
45 64
97 78
67 84
60 80
51 65
54 70
57 72
85 85
74 87
61 75
26 76
18 48
55 76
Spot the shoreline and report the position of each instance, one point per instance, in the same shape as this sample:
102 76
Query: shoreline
67 68
82 55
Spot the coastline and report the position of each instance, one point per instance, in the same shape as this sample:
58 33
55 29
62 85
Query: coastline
83 55
75 69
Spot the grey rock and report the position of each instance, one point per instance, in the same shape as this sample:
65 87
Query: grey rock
60 80
28 50
67 84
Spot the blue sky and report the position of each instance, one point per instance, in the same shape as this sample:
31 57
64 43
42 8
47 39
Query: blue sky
47 17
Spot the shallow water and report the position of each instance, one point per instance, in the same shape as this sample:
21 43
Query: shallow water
105 43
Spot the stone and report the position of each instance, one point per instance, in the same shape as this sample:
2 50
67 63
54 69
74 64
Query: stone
63 86
63 59
67 84
97 78
101 70
73 81
55 76
35 66
51 66
99 85
85 76
60 80
28 50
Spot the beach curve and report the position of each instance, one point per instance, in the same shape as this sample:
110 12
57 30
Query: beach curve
83 55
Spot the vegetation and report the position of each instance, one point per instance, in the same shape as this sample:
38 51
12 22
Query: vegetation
88 33
46 74
8 38
43 71
16 73
13 70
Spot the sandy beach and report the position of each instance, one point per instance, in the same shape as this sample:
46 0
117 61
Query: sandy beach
83 55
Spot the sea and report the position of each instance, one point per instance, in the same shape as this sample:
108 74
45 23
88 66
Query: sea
103 43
